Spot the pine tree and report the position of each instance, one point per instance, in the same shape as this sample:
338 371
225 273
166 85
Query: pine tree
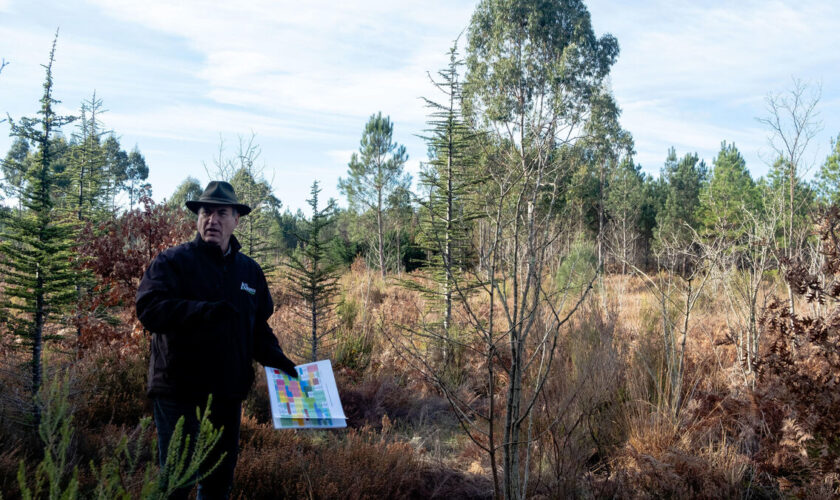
828 178
36 245
730 195
446 214
685 180
313 274
374 173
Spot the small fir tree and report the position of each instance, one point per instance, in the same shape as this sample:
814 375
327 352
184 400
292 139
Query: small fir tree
313 274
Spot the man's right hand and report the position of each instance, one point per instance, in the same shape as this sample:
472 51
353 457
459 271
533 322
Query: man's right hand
288 367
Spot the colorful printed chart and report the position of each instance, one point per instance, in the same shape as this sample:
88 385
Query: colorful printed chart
310 402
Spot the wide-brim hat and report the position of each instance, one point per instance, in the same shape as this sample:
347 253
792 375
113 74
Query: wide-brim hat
218 193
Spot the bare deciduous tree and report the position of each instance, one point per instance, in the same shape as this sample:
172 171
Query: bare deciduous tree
792 120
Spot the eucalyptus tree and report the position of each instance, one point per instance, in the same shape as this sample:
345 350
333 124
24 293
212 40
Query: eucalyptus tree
36 245
374 173
624 204
136 172
116 166
14 166
604 144
188 189
532 70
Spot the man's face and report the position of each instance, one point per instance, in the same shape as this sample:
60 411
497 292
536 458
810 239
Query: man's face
216 224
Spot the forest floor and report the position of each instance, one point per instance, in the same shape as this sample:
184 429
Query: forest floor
608 424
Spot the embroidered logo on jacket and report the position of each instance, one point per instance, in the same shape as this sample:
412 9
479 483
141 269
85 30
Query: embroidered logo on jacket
247 288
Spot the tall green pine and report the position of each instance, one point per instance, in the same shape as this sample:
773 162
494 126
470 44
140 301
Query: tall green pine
447 214
36 244
374 174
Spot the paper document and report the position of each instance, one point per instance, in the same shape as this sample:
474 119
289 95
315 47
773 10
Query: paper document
310 402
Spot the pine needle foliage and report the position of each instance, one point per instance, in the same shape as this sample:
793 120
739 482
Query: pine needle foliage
87 163
313 274
52 477
374 175
36 244
449 180
185 464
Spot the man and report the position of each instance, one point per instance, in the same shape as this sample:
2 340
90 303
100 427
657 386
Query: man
207 306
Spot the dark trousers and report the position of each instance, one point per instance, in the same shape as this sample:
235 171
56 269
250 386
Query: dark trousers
223 413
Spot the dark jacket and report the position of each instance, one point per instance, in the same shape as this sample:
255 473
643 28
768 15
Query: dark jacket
208 317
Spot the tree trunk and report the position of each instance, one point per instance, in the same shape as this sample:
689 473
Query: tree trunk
379 232
37 337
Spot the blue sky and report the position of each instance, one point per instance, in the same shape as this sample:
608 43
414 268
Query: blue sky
179 78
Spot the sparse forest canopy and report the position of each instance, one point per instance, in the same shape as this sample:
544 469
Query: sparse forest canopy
535 317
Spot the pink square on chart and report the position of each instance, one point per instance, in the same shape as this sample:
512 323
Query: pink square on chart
312 369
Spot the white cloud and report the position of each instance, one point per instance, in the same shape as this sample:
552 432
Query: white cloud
351 59
305 76
692 74
342 156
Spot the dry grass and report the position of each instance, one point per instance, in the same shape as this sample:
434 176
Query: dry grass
600 429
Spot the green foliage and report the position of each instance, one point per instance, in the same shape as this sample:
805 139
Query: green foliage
258 231
352 351
685 180
578 267
601 150
185 463
14 166
313 275
375 174
36 245
114 477
117 476
777 187
52 477
448 211
189 189
828 178
523 54
376 170
731 194
625 204
86 175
